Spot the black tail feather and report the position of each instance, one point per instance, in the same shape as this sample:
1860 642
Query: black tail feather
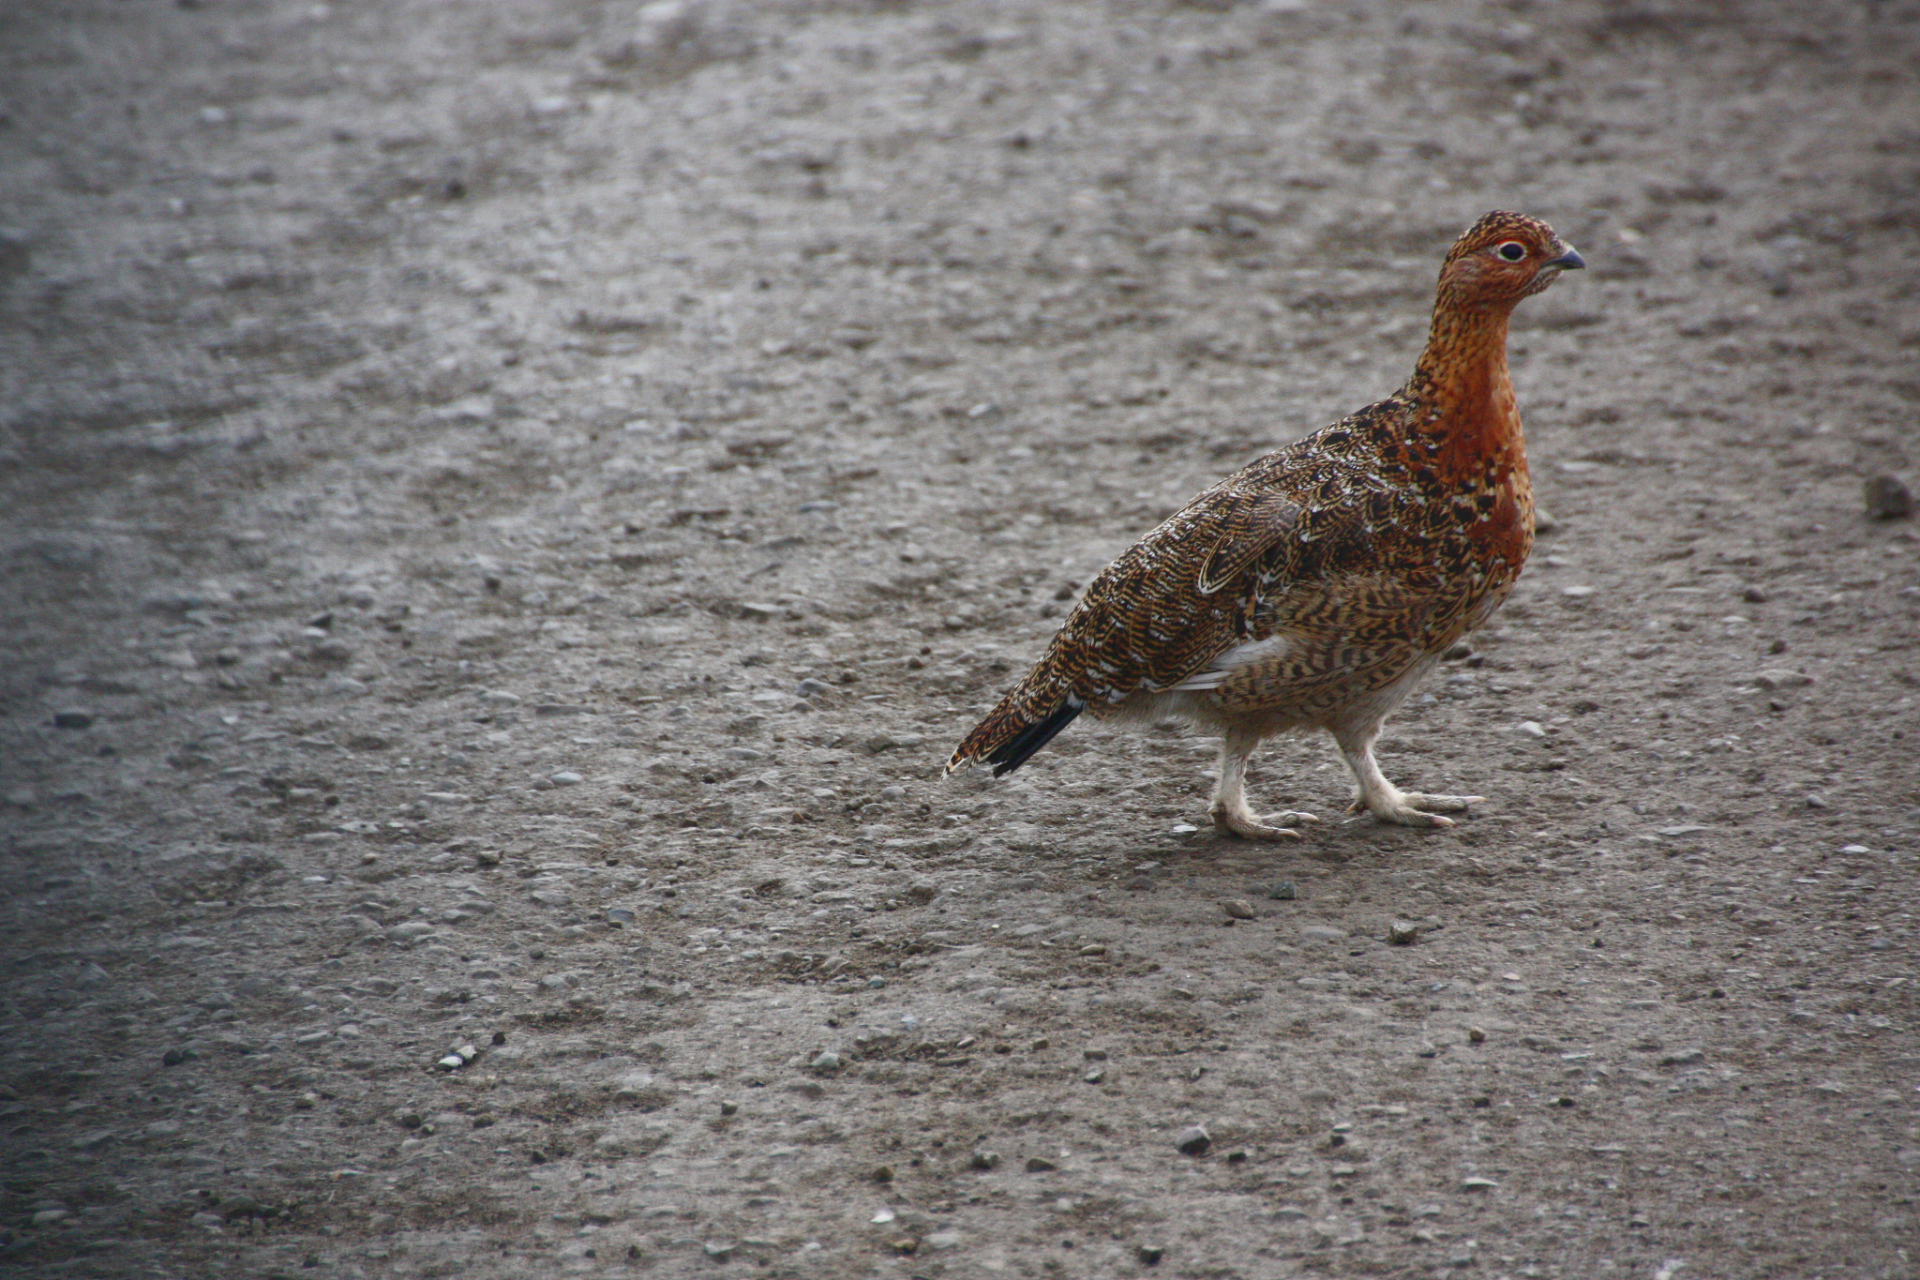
1014 752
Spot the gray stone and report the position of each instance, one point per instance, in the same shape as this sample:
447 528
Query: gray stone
1888 499
1193 1140
1237 909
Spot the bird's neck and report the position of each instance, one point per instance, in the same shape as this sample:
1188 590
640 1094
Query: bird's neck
1463 383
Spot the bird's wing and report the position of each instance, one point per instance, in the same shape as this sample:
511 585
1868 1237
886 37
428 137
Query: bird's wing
1178 598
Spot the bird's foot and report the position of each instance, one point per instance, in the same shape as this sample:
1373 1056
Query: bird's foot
1414 808
1243 822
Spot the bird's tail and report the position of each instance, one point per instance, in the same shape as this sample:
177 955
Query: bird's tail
1024 722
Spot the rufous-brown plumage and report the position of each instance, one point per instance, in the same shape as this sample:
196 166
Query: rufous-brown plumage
1313 588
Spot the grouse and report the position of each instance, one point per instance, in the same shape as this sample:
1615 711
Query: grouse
1315 587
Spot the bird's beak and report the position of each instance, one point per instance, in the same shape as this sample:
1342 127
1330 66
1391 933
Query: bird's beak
1570 260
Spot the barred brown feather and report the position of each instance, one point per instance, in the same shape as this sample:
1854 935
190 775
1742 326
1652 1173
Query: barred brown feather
1313 587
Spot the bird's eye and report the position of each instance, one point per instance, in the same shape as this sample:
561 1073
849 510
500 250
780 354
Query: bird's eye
1512 251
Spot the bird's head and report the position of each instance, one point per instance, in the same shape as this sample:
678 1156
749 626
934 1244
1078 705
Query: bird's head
1503 258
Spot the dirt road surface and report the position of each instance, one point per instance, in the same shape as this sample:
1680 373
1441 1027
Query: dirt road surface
507 506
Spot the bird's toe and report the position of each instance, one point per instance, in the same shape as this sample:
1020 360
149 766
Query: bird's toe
1248 827
1443 804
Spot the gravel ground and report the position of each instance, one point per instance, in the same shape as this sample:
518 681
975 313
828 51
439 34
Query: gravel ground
509 505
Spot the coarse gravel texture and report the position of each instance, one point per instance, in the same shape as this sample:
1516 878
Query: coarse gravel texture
508 506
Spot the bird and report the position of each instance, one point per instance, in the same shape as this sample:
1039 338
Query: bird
1314 588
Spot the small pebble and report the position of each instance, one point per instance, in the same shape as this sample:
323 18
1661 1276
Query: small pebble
1094 1075
1531 728
1238 908
827 1061
1403 933
565 778
620 915
1478 1184
1283 891
874 984
1150 1254
883 1174
1193 1141
72 719
986 1161
718 1250
1476 1035
1040 1164
729 1108
1888 499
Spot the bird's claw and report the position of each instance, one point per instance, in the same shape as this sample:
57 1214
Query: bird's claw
1414 808
1248 827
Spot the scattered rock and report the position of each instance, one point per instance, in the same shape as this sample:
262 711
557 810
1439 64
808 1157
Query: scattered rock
986 1161
1780 678
463 1056
827 1060
1193 1141
1237 909
1403 933
1478 1184
1040 1164
1283 891
73 719
1888 499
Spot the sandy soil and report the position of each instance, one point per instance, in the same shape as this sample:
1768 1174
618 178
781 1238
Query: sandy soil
508 506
